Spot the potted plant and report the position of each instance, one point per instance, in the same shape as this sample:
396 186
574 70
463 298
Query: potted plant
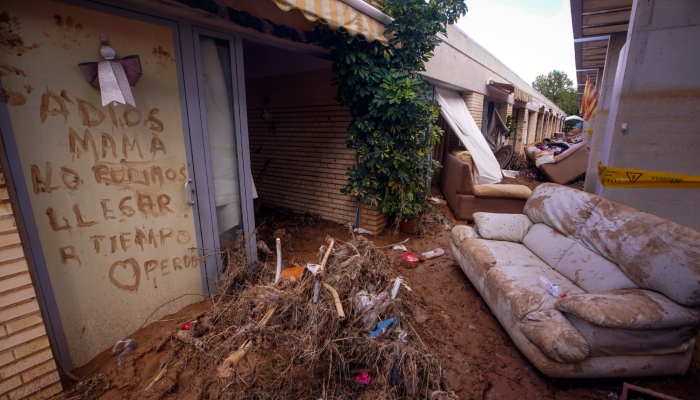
394 116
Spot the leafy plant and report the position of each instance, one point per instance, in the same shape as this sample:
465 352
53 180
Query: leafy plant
394 115
511 125
557 87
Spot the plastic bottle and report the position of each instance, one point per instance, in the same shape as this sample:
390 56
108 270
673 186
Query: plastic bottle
433 253
397 285
553 289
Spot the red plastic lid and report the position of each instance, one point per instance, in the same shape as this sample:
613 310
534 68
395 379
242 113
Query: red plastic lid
410 257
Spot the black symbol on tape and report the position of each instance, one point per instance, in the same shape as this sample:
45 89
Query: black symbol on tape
634 176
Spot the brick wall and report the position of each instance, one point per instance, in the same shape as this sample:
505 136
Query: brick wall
26 363
475 105
298 154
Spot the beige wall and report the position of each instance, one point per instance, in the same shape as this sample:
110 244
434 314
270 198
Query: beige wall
298 156
115 229
657 95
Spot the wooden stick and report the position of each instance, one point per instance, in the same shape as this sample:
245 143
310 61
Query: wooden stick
317 280
227 366
157 378
336 299
328 253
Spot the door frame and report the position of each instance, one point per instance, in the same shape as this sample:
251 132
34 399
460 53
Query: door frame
200 140
26 220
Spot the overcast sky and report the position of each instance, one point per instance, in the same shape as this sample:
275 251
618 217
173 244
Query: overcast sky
531 37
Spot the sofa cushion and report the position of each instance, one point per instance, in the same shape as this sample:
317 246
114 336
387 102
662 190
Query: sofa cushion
461 232
518 289
655 253
552 333
509 253
629 309
503 190
604 341
544 157
547 244
591 271
561 208
509 227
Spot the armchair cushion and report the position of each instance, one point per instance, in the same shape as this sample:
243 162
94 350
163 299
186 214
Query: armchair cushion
508 227
503 190
629 309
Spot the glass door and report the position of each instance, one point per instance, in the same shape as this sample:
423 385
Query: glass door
229 190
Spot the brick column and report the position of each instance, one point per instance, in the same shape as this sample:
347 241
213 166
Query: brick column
505 110
475 105
540 126
523 123
532 127
26 361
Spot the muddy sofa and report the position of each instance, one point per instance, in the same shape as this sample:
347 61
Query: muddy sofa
632 284
464 198
567 166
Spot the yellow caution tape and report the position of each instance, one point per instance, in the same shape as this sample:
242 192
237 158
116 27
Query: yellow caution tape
639 178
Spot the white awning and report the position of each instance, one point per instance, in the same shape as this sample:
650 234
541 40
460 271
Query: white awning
361 19
454 110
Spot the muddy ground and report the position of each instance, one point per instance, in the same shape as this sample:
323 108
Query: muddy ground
478 358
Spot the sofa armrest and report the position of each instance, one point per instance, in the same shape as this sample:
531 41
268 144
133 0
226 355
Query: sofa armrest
629 309
508 227
554 335
462 232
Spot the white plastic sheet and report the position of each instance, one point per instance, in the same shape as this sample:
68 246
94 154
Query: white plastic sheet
457 116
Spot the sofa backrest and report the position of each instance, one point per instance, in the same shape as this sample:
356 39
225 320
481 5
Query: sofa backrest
569 152
653 252
562 208
456 176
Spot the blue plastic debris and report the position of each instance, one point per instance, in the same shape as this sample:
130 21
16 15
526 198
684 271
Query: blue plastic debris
381 326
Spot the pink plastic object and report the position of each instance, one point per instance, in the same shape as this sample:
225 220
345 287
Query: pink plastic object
363 377
410 260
